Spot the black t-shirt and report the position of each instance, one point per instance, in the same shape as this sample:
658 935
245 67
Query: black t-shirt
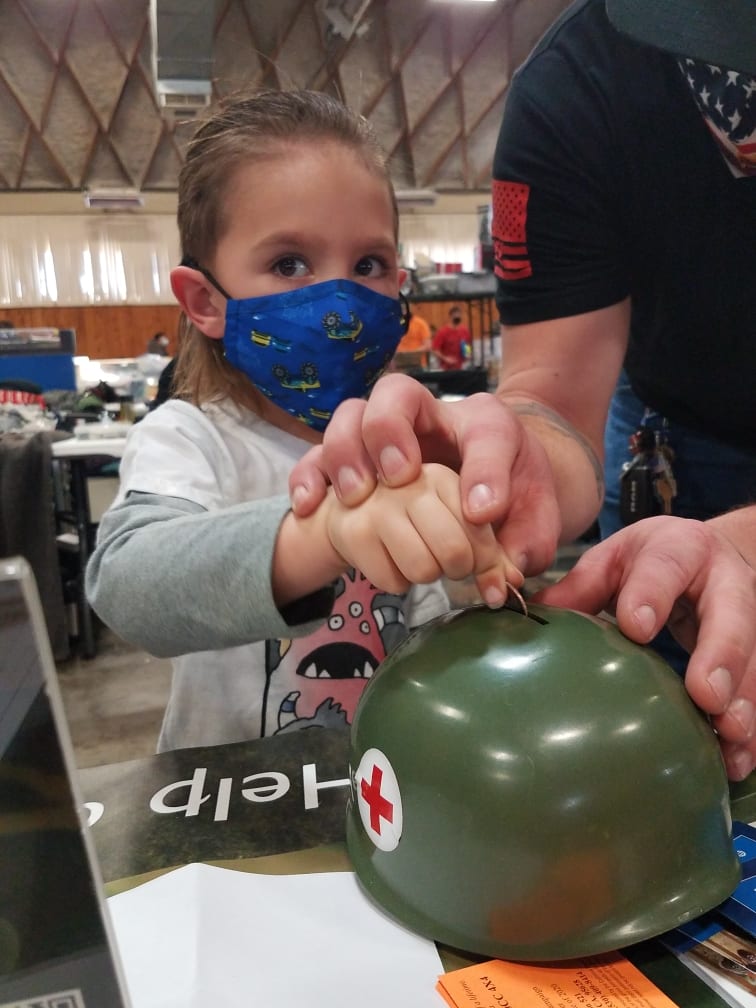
607 183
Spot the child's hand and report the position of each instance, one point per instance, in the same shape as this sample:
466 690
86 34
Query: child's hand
416 533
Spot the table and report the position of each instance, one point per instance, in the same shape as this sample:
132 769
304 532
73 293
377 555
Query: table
149 818
77 454
462 382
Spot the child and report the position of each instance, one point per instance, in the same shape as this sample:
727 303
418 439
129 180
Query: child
289 286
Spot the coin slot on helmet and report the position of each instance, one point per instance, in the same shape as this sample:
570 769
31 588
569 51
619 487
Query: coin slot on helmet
519 606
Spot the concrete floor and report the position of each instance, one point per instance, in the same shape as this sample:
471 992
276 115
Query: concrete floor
115 701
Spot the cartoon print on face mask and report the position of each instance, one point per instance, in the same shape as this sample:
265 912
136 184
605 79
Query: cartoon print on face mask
316 681
268 340
308 377
336 329
308 373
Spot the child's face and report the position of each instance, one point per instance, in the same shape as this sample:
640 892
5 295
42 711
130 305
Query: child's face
311 213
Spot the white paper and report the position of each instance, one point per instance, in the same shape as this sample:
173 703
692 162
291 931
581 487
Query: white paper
207 937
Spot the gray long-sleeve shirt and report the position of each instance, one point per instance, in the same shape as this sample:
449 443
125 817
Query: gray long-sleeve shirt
182 568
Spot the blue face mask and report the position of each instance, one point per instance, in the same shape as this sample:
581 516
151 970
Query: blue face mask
309 349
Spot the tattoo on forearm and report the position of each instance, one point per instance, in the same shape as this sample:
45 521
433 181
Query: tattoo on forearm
558 422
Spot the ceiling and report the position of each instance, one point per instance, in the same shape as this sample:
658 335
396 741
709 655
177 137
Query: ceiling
77 101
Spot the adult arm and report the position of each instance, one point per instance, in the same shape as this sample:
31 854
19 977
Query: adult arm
558 377
700 579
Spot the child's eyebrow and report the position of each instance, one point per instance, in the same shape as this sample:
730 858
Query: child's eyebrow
377 245
283 238
298 241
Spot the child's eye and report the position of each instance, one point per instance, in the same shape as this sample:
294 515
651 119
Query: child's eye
291 266
371 266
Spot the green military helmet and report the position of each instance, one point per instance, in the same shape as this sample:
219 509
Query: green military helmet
536 787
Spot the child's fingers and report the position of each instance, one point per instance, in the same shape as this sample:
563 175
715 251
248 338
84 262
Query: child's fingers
462 549
385 546
494 572
447 544
444 536
491 566
420 556
424 540
376 563
416 534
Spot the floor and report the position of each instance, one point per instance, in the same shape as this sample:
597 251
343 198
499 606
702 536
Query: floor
115 701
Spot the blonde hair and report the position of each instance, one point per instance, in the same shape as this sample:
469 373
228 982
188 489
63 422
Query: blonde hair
247 128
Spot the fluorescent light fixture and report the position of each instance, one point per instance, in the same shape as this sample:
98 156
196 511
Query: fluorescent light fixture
183 99
415 197
113 199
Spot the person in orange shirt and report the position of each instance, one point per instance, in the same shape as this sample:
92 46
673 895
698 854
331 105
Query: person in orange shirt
417 339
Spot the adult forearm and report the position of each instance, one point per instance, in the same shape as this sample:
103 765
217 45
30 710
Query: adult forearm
576 466
559 375
739 526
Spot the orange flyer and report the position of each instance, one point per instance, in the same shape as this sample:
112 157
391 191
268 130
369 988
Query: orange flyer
603 981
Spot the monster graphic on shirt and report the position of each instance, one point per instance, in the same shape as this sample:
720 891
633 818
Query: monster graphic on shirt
317 680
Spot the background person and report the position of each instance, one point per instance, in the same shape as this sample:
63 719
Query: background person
450 341
417 339
158 344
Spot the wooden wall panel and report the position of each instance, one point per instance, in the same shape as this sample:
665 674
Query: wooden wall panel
123 330
107 331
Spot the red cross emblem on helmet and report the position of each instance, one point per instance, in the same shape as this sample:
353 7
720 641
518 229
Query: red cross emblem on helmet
380 804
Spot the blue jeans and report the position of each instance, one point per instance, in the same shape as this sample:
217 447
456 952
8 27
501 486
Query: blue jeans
711 478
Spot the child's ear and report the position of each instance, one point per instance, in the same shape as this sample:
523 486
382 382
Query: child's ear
403 274
198 298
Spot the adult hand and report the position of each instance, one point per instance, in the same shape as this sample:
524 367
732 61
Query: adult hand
505 475
689 575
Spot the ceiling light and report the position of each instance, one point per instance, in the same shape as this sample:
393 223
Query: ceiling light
415 197
113 199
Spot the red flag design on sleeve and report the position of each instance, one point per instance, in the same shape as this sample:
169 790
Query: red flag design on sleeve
510 214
